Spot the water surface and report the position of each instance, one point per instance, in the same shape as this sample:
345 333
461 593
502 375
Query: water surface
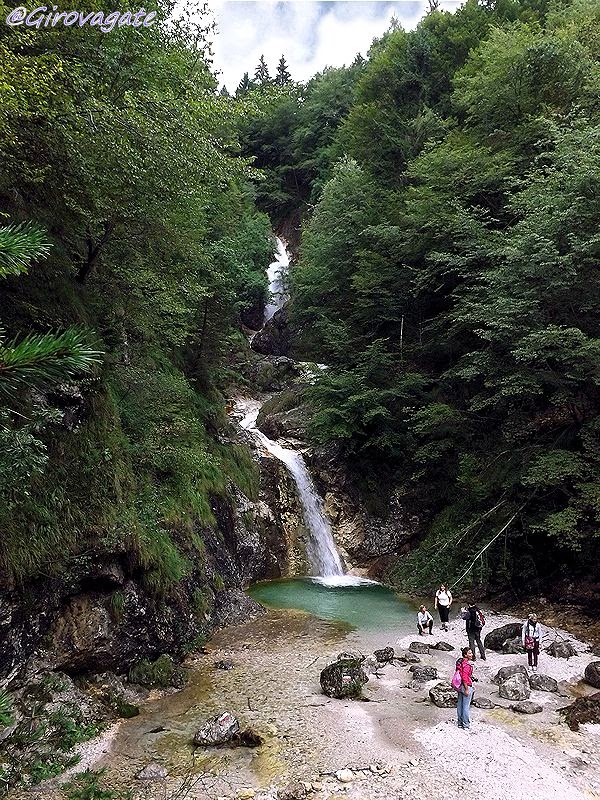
365 605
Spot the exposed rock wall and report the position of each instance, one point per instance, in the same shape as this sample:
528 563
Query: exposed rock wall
101 617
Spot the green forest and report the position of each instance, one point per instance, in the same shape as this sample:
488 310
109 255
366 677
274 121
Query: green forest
447 187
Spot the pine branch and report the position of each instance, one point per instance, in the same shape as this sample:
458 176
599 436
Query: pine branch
19 245
45 358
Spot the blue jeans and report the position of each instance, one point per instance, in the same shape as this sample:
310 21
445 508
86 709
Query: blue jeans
464 702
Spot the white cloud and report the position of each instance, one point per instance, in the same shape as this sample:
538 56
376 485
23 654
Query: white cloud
310 34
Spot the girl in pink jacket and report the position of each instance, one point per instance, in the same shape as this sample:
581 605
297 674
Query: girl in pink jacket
465 693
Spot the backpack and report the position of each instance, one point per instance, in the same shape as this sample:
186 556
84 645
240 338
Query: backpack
479 619
457 680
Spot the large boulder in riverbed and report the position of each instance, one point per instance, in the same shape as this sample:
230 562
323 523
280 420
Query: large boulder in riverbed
419 647
422 673
513 646
482 702
515 688
218 730
409 658
445 646
527 707
561 650
496 638
508 672
592 674
344 678
543 683
443 695
385 655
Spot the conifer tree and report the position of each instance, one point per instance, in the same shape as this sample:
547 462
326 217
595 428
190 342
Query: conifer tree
283 76
261 73
244 85
224 92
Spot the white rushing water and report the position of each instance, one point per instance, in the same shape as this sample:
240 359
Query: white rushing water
321 551
277 274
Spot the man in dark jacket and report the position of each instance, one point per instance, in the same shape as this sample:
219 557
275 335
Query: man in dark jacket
474 627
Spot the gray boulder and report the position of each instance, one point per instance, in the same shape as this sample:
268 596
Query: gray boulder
561 650
543 683
508 672
592 674
385 655
344 678
482 702
513 646
423 674
152 772
419 647
526 707
409 658
218 730
442 646
443 695
496 638
515 688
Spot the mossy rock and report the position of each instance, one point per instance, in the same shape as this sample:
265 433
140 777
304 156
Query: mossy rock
161 673
344 678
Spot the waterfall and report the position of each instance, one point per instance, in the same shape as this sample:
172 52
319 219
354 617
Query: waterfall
277 274
321 551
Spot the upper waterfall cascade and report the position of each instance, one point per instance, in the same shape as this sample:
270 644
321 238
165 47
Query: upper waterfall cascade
322 554
277 274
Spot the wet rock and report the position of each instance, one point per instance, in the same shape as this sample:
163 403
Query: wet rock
445 646
516 687
271 374
290 423
421 673
526 707
582 711
592 674
217 731
347 655
482 702
507 672
385 655
561 650
161 673
233 606
513 646
344 678
409 658
443 695
543 683
152 772
249 737
344 775
225 664
495 639
419 647
276 336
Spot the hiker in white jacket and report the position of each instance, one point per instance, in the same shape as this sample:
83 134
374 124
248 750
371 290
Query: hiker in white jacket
531 636
424 620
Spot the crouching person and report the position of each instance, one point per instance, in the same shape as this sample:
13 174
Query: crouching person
424 621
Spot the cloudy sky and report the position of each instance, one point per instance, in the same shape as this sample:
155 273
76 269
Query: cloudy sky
311 34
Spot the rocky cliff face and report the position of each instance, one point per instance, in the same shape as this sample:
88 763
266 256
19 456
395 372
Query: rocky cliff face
101 617
366 539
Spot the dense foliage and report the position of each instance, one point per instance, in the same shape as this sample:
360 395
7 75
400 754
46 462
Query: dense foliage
119 146
448 275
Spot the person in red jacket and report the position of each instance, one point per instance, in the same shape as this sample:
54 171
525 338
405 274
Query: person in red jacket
465 693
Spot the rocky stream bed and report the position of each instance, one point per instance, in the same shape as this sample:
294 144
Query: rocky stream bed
394 743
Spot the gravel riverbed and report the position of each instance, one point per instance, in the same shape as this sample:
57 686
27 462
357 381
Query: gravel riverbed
398 745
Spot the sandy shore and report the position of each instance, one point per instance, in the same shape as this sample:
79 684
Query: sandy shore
399 745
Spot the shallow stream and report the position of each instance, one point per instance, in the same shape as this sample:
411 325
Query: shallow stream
365 605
